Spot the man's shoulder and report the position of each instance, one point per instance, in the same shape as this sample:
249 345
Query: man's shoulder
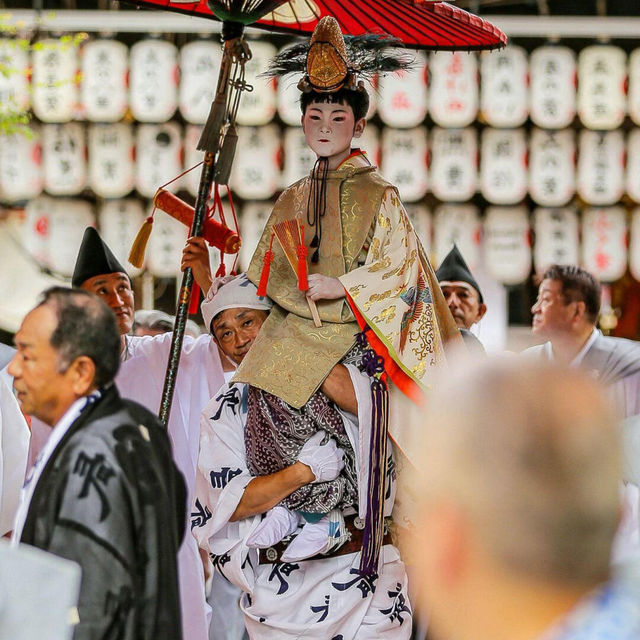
537 351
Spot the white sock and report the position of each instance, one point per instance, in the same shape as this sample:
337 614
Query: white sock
277 524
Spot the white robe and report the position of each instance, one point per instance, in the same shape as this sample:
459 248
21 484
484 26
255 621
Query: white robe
325 598
141 378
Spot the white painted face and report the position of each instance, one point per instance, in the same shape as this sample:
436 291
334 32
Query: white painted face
329 128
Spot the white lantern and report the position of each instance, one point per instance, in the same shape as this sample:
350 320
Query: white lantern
503 165
402 96
103 91
601 78
256 168
298 157
199 67
454 164
634 86
507 247
453 88
404 161
288 99
557 238
601 167
552 167
604 242
37 226
111 164
420 217
55 93
164 251
552 71
192 157
634 244
258 106
153 92
158 157
504 99
457 224
253 220
20 166
64 158
14 86
633 164
68 220
369 142
119 223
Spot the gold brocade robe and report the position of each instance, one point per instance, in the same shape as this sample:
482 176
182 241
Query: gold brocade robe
369 244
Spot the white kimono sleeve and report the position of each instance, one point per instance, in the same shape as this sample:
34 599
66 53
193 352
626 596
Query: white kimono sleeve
221 479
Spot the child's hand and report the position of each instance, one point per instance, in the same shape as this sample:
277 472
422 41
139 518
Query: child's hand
324 288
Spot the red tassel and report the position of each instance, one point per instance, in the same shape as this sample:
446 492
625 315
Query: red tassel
222 269
194 302
266 267
303 283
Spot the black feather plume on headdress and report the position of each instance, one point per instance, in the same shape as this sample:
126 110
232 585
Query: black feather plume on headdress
368 55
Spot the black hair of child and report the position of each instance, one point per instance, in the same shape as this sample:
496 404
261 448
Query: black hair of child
357 99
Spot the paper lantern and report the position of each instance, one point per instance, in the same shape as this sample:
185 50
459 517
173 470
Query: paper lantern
601 178
604 242
601 86
457 224
119 222
298 157
103 90
404 161
20 166
14 87
633 164
402 97
634 86
153 92
552 167
503 165
420 217
453 172
257 107
369 142
253 220
67 222
557 238
164 251
199 67
55 93
453 88
504 97
111 163
552 71
36 227
64 158
507 249
158 157
288 100
192 157
634 244
256 169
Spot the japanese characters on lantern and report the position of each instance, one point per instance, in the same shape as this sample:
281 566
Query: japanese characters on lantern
557 238
199 67
404 161
20 166
601 176
111 159
503 165
459 224
552 167
256 168
604 242
64 158
454 171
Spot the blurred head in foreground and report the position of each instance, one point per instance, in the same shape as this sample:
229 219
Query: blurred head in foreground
518 494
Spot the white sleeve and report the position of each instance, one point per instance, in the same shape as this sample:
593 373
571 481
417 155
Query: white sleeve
221 479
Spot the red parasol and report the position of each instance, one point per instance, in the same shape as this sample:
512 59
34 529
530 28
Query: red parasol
418 24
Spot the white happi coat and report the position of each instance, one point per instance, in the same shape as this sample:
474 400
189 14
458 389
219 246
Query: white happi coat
141 378
325 599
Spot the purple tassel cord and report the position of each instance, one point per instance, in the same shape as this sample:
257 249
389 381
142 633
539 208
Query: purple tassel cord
374 519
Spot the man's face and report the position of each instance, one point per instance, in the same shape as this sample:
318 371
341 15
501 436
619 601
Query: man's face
114 289
464 303
551 315
236 329
329 128
42 390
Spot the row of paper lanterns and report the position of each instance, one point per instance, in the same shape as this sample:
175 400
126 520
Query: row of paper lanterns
504 165
604 240
154 79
